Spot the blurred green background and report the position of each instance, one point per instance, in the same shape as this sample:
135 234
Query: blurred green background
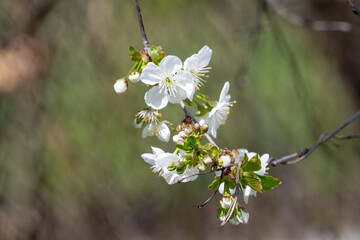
70 165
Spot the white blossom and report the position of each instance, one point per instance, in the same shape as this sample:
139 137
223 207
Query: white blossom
218 115
197 65
170 83
120 86
160 160
225 161
161 130
134 77
248 191
154 127
226 202
244 218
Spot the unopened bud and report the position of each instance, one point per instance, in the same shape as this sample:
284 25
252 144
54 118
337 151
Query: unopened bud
204 128
134 77
180 168
120 86
172 166
183 135
226 202
179 128
207 160
144 57
201 166
197 127
188 131
213 168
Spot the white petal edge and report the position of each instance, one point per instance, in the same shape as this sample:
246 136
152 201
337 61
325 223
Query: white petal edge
154 99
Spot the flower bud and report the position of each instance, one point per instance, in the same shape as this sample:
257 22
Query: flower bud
225 161
144 57
176 139
138 122
197 127
134 77
120 86
172 166
213 168
207 159
226 202
183 135
201 166
204 128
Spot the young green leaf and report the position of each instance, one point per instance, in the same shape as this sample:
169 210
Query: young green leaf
214 184
254 164
268 182
253 181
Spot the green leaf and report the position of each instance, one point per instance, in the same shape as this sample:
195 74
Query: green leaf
214 184
253 181
268 182
254 164
191 142
182 147
131 49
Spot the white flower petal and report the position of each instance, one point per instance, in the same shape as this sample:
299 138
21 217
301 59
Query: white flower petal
151 74
190 62
244 217
164 132
163 160
154 99
204 56
221 189
149 158
170 64
224 92
146 130
180 95
157 151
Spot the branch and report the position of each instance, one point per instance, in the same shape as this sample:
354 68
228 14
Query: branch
142 29
237 190
354 8
338 26
301 155
188 114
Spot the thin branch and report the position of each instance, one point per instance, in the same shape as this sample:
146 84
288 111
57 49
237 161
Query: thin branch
354 8
347 137
188 114
217 189
301 155
338 26
237 190
142 28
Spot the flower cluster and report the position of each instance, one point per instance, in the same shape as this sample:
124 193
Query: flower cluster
172 81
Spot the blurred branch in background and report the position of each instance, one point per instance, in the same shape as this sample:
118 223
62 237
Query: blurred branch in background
300 21
354 8
23 56
301 155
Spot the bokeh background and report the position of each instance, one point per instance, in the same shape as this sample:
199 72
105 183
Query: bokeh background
70 165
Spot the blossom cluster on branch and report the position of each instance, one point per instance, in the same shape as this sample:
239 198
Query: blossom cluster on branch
172 81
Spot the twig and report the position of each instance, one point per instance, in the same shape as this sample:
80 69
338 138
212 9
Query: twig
338 26
188 114
237 190
192 175
212 195
354 8
142 28
347 137
301 155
